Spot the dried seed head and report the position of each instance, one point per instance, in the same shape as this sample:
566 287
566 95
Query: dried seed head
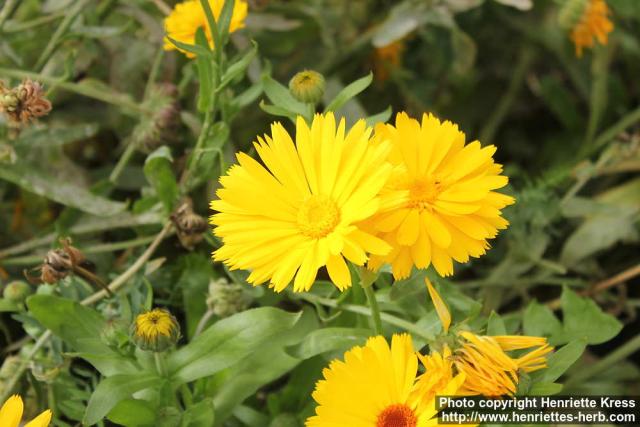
159 127
190 226
24 103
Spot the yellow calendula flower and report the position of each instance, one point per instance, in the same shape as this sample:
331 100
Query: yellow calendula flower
11 414
483 360
301 210
588 20
186 17
449 209
376 386
155 330
489 370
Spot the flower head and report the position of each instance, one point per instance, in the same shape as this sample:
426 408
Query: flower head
376 385
24 103
449 209
307 86
301 211
11 414
589 21
185 19
155 330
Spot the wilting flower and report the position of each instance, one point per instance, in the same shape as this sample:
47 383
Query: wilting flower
185 19
450 208
387 58
24 103
307 86
11 414
588 21
155 330
487 367
302 210
376 385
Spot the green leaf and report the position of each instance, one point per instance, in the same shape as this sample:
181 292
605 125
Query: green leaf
281 97
381 117
237 68
202 414
50 136
584 320
540 321
157 169
7 306
350 91
544 389
34 178
213 25
278 111
191 48
205 74
224 20
227 342
80 327
495 325
133 413
329 339
112 390
560 361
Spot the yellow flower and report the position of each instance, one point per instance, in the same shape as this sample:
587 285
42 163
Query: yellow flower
302 210
376 386
450 208
594 24
185 19
490 371
11 414
155 330
487 368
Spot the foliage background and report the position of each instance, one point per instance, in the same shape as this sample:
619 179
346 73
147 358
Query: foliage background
566 129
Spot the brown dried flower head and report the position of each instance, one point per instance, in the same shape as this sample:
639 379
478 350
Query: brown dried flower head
24 103
190 226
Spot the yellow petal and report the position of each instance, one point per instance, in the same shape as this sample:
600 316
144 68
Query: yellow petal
41 420
441 307
11 412
339 272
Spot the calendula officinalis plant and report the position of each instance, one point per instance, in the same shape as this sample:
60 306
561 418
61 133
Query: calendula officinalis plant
224 213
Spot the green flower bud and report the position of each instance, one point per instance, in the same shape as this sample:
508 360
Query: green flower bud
571 12
17 291
43 374
114 333
226 299
155 330
307 86
46 289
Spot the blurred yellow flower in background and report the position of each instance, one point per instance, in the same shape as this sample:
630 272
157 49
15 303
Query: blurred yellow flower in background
301 212
387 58
590 23
449 209
376 385
11 414
186 17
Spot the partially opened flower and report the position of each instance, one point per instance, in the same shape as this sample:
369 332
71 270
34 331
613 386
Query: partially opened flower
11 414
588 21
487 367
450 208
186 17
377 386
155 330
301 210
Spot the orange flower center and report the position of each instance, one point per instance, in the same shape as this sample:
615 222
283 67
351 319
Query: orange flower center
423 192
398 415
318 216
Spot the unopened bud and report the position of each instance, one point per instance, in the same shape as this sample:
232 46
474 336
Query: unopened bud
155 330
17 291
307 86
226 299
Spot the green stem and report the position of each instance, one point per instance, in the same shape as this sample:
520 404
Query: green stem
60 32
598 97
359 309
160 363
7 10
375 309
187 396
23 26
602 365
89 91
489 131
123 161
625 122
